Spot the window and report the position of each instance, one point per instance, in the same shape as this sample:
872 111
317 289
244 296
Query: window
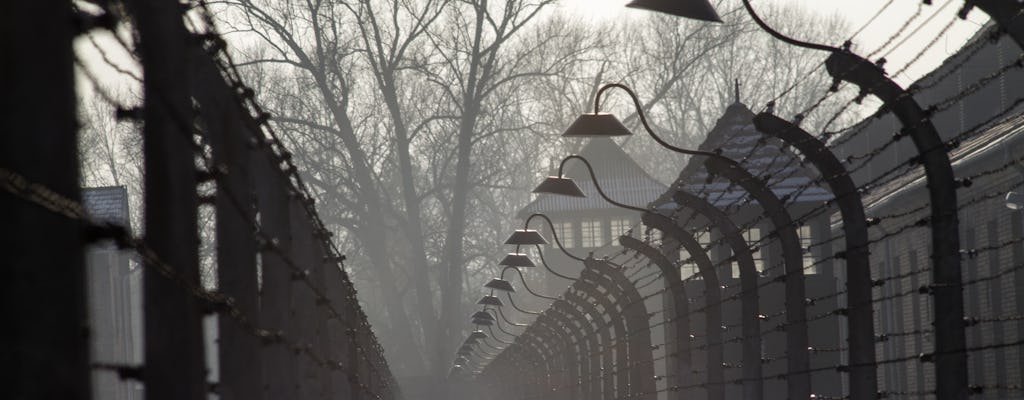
753 236
619 226
688 267
805 244
651 234
563 231
590 234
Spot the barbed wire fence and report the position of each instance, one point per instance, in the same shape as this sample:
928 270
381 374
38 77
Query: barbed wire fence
290 324
571 359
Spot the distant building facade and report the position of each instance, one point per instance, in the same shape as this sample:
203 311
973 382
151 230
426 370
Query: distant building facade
990 233
972 92
115 301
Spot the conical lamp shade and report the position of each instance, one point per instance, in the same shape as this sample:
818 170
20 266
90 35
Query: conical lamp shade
561 186
483 322
517 260
478 334
483 315
489 300
460 361
526 237
596 125
500 285
693 9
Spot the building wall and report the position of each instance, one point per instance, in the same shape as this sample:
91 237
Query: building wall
901 256
115 320
994 284
942 86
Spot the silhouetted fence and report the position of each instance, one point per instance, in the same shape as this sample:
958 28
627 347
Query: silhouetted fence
290 325
929 261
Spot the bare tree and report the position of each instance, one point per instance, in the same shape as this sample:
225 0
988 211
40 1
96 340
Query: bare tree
684 72
423 124
315 39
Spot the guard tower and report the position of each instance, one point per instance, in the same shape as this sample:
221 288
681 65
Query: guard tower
590 224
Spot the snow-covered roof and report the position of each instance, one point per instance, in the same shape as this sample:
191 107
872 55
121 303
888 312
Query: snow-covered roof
619 176
734 136
990 147
107 204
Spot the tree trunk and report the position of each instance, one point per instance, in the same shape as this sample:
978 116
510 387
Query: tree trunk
413 228
373 237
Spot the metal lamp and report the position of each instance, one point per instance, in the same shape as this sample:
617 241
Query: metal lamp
596 125
559 185
522 237
694 9
500 285
484 315
483 322
489 300
516 260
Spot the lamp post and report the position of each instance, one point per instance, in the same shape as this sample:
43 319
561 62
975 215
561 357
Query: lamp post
566 186
753 381
798 356
860 315
570 316
586 343
527 236
517 260
632 308
947 285
681 368
590 288
501 285
595 358
712 301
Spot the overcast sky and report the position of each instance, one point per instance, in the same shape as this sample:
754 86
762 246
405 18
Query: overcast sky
911 41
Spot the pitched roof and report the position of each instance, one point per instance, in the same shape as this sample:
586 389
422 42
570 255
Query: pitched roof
735 137
619 176
107 204
996 138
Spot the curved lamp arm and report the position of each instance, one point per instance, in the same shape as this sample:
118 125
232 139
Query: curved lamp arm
488 344
807 45
502 314
523 279
498 323
553 233
547 267
491 356
590 168
493 336
520 309
643 120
